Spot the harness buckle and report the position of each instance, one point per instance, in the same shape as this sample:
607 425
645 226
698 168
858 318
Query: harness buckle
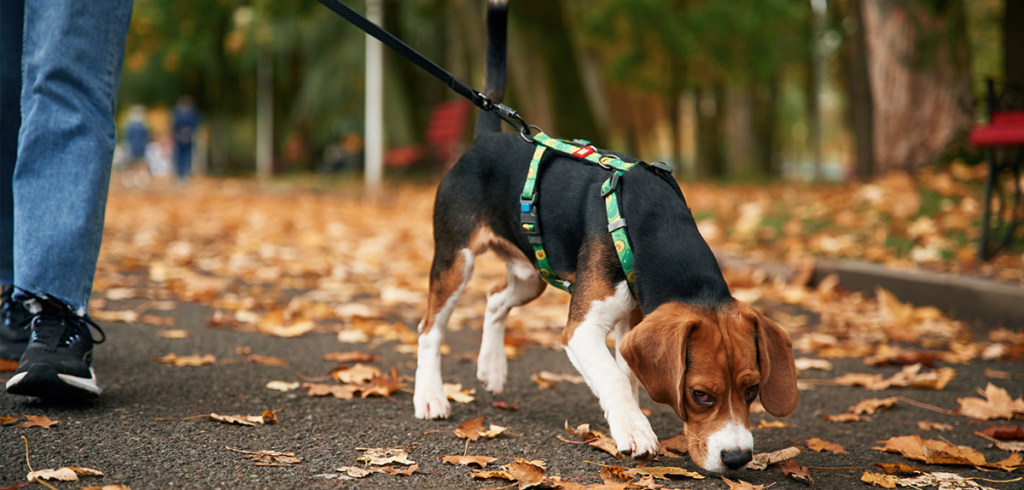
661 166
612 184
528 215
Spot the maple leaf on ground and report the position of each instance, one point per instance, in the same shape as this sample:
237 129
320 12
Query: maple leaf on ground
873 405
383 385
674 447
997 405
819 445
481 461
267 360
455 393
761 461
173 334
741 485
797 472
939 452
597 439
351 356
38 421
473 429
380 456
173 359
359 373
527 474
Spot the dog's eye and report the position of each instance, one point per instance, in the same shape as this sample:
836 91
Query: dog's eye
703 399
751 393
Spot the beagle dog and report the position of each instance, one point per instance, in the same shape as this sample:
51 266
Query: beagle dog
681 334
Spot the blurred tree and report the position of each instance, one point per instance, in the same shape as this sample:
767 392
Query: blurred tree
1013 42
858 86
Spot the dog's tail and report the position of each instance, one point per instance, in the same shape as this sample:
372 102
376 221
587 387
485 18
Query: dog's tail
494 83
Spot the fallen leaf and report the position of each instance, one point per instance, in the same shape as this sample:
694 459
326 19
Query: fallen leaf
846 417
38 421
762 460
884 481
503 405
774 424
893 468
663 472
455 393
243 351
173 359
1009 446
8 365
105 487
945 481
741 485
160 321
267 418
267 360
481 461
997 405
674 447
597 439
283 385
59 474
8 420
359 373
819 445
939 452
383 385
996 374
873 405
1004 432
399 472
547 379
797 472
351 356
172 334
127 316
344 392
354 471
527 474
923 425
909 376
492 474
806 363
287 331
380 456
269 458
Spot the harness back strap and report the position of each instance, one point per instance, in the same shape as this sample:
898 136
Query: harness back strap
609 189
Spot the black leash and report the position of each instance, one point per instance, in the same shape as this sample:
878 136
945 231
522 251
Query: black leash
508 114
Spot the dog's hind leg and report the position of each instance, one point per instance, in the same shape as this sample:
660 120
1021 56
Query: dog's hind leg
522 285
622 327
448 277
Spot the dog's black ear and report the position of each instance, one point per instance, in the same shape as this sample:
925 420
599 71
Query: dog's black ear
655 350
779 393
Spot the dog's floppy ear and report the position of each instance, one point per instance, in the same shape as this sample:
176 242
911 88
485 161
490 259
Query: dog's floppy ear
779 394
655 350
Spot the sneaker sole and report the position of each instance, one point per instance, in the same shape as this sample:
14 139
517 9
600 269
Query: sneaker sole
46 382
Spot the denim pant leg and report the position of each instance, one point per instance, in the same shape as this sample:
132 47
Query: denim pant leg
12 19
71 68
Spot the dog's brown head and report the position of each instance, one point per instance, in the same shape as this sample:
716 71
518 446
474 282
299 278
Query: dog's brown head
709 364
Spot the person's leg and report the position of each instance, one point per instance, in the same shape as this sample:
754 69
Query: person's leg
12 19
71 68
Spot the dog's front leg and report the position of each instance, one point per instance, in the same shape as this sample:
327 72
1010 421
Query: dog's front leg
589 353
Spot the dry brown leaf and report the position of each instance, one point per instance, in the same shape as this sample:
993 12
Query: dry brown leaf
267 360
774 424
492 474
383 385
269 458
819 445
997 405
8 365
873 405
797 472
266 418
884 481
481 461
127 316
59 474
380 456
8 420
663 472
106 487
909 376
354 471
172 334
473 429
287 331
503 405
173 359
157 320
597 438
1005 432
923 425
455 393
359 373
1017 446
38 421
741 485
344 392
283 385
547 379
893 468
996 374
939 452
806 363
351 356
243 351
387 470
846 417
762 460
527 474
945 481
674 447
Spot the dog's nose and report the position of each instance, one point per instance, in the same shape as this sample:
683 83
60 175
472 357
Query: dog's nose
735 459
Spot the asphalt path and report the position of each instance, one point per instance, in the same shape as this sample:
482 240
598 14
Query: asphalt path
117 434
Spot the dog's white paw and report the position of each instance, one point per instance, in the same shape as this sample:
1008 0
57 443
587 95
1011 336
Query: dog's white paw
633 434
492 370
431 406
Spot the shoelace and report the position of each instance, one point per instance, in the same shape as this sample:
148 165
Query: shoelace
55 309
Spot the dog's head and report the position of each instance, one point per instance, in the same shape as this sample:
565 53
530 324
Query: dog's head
709 365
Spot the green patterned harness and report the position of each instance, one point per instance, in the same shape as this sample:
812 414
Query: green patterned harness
616 224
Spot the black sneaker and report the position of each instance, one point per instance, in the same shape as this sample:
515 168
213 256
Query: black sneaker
57 364
14 331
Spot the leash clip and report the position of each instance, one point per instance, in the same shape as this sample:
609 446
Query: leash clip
528 215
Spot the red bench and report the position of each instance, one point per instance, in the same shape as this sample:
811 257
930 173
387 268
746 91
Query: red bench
444 135
1005 130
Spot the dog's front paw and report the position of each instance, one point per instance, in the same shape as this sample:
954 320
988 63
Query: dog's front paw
492 370
431 406
633 435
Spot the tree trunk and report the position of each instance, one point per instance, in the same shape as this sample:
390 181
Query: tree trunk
918 68
1013 42
765 119
859 92
710 113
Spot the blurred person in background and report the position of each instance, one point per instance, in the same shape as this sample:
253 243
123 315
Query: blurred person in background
60 67
186 118
137 135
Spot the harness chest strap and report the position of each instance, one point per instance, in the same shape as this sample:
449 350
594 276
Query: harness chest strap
616 224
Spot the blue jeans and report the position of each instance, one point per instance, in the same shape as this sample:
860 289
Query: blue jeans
60 65
183 160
